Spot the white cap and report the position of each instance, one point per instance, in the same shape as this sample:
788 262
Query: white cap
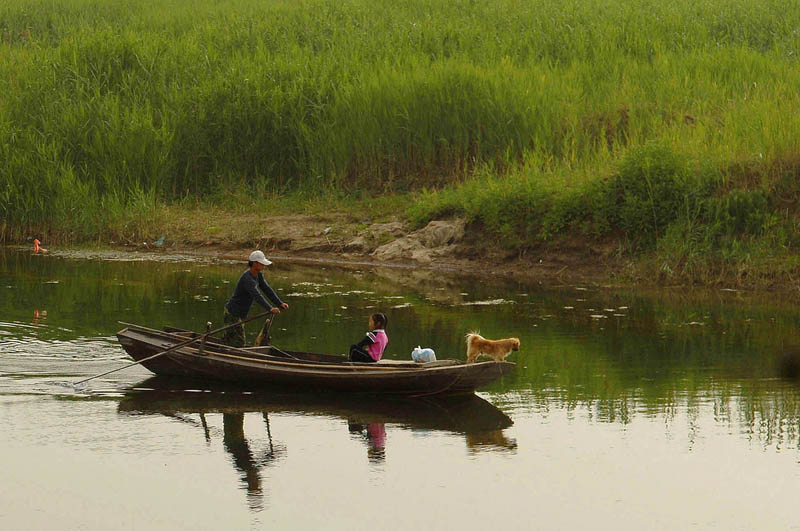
258 256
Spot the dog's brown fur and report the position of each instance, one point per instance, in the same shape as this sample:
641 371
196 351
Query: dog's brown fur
495 349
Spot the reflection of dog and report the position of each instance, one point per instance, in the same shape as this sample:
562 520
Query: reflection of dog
497 350
490 440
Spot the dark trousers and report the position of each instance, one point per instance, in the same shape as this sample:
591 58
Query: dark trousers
359 354
234 336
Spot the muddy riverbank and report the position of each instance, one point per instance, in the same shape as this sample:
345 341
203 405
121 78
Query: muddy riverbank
452 245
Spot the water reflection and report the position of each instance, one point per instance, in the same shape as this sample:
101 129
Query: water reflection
368 419
374 435
243 458
697 389
495 440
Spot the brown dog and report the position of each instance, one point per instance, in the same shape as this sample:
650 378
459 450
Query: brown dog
497 349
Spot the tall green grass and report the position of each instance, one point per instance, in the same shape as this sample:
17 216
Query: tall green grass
106 104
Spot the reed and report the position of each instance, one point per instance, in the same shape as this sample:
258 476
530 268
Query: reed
113 107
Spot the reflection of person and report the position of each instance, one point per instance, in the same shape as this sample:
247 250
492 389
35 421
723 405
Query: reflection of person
235 442
370 349
247 291
376 438
375 435
39 314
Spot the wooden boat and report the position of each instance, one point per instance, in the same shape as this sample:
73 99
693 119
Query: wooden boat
307 371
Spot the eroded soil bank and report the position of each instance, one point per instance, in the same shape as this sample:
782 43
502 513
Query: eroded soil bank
453 245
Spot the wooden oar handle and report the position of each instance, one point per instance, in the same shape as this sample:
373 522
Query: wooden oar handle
263 337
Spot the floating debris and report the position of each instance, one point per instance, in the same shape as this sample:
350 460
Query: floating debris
486 303
314 284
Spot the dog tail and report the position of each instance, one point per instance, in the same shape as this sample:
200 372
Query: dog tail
472 336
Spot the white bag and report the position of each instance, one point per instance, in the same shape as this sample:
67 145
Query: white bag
423 355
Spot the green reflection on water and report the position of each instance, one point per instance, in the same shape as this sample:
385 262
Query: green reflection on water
612 354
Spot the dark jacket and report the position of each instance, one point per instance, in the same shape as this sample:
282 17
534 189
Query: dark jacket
247 291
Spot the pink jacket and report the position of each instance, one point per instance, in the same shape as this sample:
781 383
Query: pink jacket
376 349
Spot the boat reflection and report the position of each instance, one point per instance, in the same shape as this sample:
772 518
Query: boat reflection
367 417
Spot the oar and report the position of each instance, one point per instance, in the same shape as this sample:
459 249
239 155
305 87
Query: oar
264 335
273 347
179 345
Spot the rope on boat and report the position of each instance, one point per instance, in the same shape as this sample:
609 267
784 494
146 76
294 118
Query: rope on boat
442 390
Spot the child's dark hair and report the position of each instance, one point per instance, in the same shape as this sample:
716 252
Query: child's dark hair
380 319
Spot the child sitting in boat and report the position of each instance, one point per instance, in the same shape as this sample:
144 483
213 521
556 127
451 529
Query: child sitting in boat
370 349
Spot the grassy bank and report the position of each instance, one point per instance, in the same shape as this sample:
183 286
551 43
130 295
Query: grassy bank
670 128
678 217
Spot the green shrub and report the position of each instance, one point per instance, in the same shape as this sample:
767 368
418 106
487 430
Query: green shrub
570 210
648 192
737 212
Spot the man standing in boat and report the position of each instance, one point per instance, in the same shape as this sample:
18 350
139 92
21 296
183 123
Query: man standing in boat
247 291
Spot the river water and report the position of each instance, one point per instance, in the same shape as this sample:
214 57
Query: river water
628 409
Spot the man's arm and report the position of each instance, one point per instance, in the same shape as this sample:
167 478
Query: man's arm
257 296
269 291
